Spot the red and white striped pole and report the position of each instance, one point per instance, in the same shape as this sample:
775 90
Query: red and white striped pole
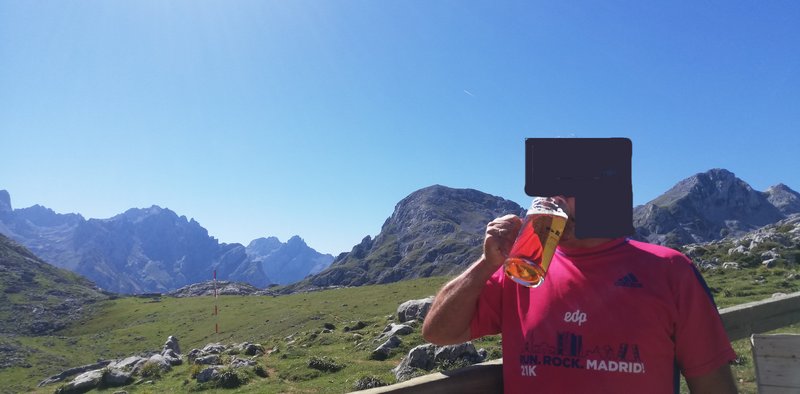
216 311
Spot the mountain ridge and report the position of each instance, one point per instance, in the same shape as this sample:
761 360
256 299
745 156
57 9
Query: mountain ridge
141 250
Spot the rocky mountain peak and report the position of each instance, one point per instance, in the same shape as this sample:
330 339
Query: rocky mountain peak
263 246
296 241
5 201
784 198
138 214
436 230
704 207
441 203
46 217
713 183
288 262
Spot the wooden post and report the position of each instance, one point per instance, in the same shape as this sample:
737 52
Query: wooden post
777 362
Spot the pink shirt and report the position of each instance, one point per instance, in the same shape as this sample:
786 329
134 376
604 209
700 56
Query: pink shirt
622 317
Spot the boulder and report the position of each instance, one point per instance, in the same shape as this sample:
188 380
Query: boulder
705 265
738 250
211 359
214 348
171 357
83 382
451 353
769 263
382 352
127 364
420 357
414 309
208 374
194 354
117 378
162 362
172 343
426 357
730 265
395 329
73 371
242 363
771 254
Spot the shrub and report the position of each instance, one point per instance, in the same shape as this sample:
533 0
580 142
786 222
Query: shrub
150 370
230 378
324 364
369 382
261 371
448 365
196 369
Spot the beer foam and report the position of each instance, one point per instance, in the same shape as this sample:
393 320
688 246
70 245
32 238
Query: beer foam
546 206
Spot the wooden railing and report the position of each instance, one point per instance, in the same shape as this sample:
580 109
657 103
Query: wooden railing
740 321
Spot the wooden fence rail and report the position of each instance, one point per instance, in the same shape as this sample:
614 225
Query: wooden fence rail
740 321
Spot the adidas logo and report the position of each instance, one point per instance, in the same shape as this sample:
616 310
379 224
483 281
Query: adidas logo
629 280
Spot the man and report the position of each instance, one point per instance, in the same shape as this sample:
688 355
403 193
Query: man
612 316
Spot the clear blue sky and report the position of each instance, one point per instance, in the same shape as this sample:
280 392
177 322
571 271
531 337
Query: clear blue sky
315 118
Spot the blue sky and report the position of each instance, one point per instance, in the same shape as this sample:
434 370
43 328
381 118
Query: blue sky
276 118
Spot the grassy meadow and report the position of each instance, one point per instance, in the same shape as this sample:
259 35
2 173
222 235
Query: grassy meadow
292 326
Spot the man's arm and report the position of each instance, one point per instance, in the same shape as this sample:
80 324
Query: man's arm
449 318
448 321
718 382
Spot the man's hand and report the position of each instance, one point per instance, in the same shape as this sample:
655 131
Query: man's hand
500 236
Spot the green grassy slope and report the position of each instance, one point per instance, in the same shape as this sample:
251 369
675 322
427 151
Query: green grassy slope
130 326
38 297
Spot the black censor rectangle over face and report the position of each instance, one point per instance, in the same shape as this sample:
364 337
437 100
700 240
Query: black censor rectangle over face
596 171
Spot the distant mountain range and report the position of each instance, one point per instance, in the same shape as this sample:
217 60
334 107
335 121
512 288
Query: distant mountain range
436 230
150 250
